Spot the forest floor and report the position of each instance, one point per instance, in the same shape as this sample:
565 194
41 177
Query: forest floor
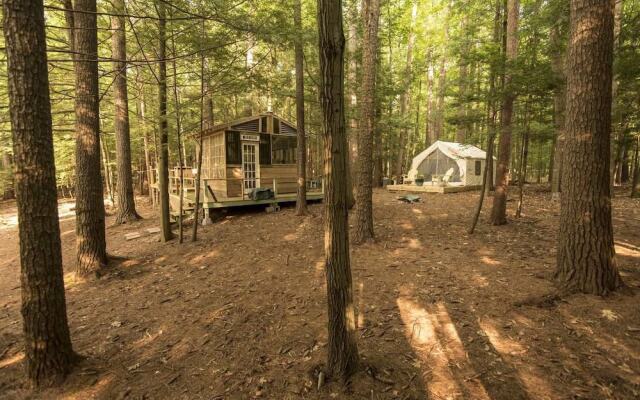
241 313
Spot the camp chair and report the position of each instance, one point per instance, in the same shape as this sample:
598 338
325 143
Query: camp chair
447 177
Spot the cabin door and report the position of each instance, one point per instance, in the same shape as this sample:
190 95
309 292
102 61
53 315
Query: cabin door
250 166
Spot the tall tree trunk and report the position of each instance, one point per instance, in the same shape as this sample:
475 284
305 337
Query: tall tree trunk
499 210
377 146
126 202
557 63
463 84
163 168
181 154
342 360
203 106
301 197
635 182
48 352
364 194
90 216
106 167
492 103
142 117
429 137
405 97
207 114
352 79
586 256
524 153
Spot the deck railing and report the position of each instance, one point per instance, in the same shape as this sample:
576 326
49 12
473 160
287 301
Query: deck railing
207 193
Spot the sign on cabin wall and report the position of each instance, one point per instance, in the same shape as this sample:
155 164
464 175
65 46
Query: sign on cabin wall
251 138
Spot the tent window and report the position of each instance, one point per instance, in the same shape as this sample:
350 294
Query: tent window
478 168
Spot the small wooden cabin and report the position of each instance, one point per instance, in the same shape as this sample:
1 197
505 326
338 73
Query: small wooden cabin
242 155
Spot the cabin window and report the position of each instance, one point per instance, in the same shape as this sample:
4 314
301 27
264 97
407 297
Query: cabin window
283 149
265 149
234 150
478 168
276 126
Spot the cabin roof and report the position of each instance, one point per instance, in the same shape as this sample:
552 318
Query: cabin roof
230 124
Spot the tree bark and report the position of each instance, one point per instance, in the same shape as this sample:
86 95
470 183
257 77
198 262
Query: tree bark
203 105
352 79
586 256
342 360
126 201
405 97
499 210
524 153
364 194
163 168
181 154
90 216
147 145
301 197
48 352
635 182
557 63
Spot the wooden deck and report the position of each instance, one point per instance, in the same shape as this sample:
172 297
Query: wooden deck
189 200
431 188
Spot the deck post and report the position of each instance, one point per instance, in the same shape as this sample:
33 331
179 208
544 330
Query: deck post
275 189
207 217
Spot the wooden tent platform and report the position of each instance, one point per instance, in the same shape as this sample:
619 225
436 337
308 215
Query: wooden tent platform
427 188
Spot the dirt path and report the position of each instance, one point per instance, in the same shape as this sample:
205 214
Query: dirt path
241 313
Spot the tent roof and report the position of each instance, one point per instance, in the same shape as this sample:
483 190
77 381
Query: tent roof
456 151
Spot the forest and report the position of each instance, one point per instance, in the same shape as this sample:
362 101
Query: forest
311 199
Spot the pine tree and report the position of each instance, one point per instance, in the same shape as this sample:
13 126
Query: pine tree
48 352
364 195
499 210
90 216
586 256
301 197
126 202
342 347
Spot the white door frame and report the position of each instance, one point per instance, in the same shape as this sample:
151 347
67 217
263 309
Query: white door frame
250 158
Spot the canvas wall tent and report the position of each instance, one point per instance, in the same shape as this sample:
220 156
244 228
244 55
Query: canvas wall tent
468 163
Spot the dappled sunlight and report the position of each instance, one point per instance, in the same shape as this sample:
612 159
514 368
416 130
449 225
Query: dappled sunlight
489 261
71 280
503 344
414 244
610 315
200 258
407 226
18 357
130 263
627 250
510 349
160 259
290 237
91 392
479 280
435 340
148 338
